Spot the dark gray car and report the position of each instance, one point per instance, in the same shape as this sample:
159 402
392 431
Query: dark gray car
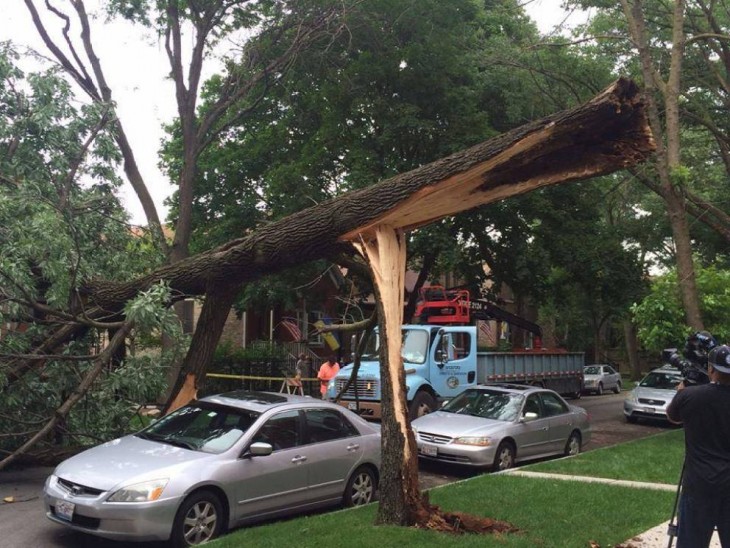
501 424
218 463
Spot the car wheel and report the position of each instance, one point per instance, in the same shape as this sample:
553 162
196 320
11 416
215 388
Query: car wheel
573 445
423 404
599 390
361 488
505 457
198 520
617 388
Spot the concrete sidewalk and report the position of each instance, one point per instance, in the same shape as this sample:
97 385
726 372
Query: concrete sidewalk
656 537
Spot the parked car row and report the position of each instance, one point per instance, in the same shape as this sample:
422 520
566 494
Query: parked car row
240 457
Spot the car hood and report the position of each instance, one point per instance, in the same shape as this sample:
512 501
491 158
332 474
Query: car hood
654 393
455 425
125 459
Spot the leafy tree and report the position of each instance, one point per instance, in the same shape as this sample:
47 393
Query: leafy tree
680 51
61 223
660 318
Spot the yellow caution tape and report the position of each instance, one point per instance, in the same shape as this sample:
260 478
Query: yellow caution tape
251 377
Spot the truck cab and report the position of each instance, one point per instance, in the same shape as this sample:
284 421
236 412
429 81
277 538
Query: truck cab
440 362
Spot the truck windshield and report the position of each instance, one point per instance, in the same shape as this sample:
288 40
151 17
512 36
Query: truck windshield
413 350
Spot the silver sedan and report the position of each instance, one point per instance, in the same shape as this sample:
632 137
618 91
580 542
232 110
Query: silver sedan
652 396
499 425
218 463
600 377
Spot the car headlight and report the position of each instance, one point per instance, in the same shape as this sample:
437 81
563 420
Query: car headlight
147 491
631 398
480 441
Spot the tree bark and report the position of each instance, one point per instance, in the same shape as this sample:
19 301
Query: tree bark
216 308
632 349
667 158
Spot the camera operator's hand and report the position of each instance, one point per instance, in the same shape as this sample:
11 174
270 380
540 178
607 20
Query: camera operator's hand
680 386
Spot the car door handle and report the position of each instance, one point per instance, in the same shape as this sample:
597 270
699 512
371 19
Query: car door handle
353 447
298 459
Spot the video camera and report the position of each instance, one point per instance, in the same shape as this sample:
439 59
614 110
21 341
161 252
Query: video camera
692 362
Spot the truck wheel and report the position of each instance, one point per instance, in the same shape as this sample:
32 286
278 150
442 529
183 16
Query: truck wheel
422 404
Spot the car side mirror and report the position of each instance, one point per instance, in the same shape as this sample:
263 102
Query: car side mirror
529 416
259 449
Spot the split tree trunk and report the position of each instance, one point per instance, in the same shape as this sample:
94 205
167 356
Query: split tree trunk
386 256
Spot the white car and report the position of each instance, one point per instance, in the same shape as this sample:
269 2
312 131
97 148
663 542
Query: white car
652 396
600 377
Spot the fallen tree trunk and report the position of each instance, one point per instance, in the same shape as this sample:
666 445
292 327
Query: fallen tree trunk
608 133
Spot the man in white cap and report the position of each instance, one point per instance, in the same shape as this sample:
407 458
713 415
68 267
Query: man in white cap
704 410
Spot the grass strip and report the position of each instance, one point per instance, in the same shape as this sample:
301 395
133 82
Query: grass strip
549 513
656 459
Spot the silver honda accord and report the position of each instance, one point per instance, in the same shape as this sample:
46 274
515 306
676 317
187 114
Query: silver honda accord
498 425
218 463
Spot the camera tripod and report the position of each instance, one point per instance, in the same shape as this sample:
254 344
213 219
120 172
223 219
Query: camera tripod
673 526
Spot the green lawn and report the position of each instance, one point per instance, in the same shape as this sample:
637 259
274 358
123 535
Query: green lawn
657 459
548 512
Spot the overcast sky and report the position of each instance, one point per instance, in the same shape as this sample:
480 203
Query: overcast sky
135 64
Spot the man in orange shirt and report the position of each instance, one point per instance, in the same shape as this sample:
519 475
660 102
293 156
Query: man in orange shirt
327 371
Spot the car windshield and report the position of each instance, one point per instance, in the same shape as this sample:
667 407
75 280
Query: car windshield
592 370
487 404
656 379
203 427
413 350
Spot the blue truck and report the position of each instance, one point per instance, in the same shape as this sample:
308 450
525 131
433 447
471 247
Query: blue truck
441 361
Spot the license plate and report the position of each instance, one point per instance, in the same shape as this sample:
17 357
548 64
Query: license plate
649 410
65 510
430 450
